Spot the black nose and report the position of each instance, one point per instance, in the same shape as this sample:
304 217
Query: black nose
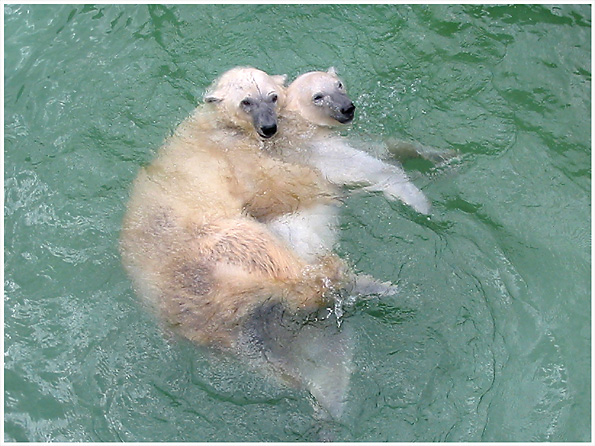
348 110
268 130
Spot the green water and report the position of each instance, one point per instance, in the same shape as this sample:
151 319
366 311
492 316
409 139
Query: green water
489 338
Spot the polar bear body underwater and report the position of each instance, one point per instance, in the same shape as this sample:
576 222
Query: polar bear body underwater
196 244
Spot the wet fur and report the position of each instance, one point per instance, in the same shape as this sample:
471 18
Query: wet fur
194 238
307 138
229 238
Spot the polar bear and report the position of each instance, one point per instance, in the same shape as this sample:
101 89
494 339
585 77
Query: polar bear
196 244
317 102
191 240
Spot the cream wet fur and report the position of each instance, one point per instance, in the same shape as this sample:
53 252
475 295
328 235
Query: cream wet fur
196 244
193 239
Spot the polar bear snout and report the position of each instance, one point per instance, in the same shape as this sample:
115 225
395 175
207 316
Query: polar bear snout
264 119
268 131
347 112
337 105
342 109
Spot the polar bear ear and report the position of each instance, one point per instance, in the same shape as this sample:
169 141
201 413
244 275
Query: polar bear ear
212 98
280 79
332 70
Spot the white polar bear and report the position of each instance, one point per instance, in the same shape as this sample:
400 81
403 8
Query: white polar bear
196 245
319 99
315 103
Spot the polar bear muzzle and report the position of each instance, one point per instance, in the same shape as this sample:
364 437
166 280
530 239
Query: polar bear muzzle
341 108
264 118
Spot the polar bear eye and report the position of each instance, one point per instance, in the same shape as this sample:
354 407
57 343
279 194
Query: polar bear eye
274 98
246 103
339 85
317 98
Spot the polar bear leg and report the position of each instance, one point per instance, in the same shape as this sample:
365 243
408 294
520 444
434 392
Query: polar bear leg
342 164
227 268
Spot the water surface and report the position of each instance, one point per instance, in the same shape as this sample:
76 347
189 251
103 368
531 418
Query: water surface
489 338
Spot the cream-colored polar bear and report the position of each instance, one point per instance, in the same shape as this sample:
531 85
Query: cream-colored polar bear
191 240
197 247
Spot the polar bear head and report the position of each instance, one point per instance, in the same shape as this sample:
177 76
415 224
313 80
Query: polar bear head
248 98
320 98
